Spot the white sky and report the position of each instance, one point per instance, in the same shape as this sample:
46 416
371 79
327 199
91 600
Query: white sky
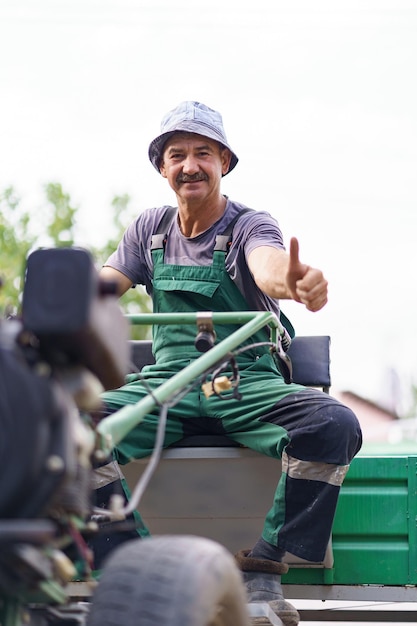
319 101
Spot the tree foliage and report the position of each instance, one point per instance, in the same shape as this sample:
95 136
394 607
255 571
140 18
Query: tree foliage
134 300
53 225
60 228
15 243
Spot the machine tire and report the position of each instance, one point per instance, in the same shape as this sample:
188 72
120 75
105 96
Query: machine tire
170 580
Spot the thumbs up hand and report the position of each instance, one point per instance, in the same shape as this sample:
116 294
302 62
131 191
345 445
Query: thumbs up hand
305 284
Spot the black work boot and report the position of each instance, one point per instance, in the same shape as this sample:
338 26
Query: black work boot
262 579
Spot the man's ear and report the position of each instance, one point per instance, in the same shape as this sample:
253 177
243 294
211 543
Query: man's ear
226 157
162 170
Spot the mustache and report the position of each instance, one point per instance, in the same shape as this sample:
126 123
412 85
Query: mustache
184 178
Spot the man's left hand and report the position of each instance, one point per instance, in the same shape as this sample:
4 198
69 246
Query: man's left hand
306 284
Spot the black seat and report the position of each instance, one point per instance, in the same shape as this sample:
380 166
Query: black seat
310 357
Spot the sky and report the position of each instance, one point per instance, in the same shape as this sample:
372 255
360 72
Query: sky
319 101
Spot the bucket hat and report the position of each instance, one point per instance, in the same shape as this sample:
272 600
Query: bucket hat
191 117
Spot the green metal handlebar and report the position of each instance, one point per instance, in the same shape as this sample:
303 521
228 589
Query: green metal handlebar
115 427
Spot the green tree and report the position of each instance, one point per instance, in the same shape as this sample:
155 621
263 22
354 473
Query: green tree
15 243
134 300
62 216
19 234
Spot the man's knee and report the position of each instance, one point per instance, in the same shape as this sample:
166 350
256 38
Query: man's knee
320 427
340 431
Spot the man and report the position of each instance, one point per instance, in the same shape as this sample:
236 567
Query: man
184 270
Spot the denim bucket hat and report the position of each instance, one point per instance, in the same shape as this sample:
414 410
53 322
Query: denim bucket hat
190 117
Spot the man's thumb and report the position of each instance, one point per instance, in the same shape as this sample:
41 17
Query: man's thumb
294 251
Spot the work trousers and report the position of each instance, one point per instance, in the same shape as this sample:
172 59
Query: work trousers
315 436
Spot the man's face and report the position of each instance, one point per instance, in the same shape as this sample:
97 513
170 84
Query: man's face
194 165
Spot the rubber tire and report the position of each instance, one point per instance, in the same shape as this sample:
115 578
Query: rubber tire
171 580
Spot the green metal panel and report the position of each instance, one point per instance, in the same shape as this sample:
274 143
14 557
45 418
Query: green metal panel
374 532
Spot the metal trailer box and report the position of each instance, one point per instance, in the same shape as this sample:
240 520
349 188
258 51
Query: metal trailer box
374 535
224 493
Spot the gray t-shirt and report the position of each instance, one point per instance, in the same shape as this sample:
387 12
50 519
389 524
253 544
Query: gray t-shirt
253 229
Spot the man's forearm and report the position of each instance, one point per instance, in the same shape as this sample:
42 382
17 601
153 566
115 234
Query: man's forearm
269 267
110 274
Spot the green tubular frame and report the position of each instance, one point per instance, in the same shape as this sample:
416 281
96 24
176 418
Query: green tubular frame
115 427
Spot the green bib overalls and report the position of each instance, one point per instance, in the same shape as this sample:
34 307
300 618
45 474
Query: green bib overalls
272 417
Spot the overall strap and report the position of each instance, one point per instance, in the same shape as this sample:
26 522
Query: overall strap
159 237
224 241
